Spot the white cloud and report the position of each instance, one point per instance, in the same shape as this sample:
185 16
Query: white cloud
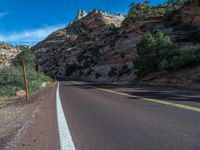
30 36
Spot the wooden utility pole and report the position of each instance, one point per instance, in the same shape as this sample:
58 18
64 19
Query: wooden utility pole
25 79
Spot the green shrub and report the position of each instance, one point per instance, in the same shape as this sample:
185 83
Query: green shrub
7 91
135 12
185 58
89 71
124 70
152 50
183 27
193 35
70 68
10 76
163 65
89 58
178 2
157 52
144 10
168 11
97 75
170 24
86 61
113 72
27 55
11 79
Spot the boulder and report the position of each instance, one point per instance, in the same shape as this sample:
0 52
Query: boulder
20 93
44 84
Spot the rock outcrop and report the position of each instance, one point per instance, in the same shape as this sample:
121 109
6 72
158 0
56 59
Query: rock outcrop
61 48
7 54
80 15
189 14
102 46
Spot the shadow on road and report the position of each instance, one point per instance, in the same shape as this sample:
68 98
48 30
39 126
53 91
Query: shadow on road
146 92
161 95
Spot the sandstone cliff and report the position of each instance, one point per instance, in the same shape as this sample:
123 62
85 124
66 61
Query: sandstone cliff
102 46
94 31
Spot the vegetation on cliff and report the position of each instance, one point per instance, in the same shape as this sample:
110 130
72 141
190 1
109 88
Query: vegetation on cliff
156 52
11 79
107 44
144 10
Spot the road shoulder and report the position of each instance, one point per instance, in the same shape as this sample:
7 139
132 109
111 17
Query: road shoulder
32 125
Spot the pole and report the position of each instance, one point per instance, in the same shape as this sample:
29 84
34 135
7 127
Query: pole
25 79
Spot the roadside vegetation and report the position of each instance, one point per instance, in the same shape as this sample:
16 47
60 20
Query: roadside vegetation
11 79
156 52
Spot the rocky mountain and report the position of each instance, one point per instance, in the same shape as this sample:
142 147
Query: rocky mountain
61 48
102 46
7 54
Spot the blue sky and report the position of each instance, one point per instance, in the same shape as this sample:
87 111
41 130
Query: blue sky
30 21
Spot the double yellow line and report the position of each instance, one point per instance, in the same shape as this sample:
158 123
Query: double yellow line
164 102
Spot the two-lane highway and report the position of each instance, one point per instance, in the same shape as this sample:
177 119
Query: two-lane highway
107 117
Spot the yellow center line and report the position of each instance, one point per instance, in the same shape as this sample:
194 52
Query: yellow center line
164 102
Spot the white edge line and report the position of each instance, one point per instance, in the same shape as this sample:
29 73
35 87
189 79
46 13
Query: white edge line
66 142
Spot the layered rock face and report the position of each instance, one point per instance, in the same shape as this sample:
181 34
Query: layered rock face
189 14
7 54
103 46
94 31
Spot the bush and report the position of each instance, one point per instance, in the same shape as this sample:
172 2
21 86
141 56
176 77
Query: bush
157 53
112 72
193 35
144 10
11 79
139 9
89 71
97 75
124 70
178 2
27 55
154 48
70 68
89 58
185 58
183 27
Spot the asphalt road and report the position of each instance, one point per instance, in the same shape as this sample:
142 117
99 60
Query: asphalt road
112 117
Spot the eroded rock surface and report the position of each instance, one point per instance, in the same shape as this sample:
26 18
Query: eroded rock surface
189 14
7 54
98 43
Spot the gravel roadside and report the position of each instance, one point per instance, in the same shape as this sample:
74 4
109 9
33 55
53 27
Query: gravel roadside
17 116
